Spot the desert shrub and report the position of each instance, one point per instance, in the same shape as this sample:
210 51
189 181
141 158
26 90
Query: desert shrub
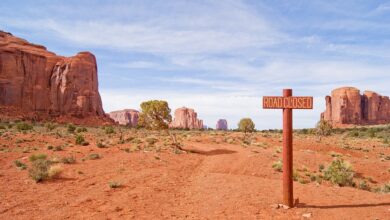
278 165
50 126
114 184
385 188
71 128
246 125
340 173
94 156
80 140
54 171
2 127
364 185
35 157
58 148
151 141
155 115
68 160
50 147
324 128
100 144
20 165
81 129
22 126
109 130
39 170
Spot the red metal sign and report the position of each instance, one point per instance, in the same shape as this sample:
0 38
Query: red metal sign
293 102
287 102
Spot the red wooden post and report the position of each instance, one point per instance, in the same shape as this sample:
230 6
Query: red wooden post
287 102
287 153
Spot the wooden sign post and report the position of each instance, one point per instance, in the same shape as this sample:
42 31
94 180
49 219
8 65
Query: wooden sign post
287 102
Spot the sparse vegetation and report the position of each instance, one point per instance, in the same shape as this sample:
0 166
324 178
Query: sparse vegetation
20 165
94 156
114 184
109 130
278 165
339 172
71 128
22 126
324 128
68 160
80 140
81 129
35 157
42 169
50 126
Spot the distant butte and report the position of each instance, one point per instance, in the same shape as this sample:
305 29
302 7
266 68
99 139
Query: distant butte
186 118
128 117
346 106
36 84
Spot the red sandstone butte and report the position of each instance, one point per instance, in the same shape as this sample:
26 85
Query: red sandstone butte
127 117
186 118
38 84
346 106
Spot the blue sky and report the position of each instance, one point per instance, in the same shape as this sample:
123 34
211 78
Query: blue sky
218 57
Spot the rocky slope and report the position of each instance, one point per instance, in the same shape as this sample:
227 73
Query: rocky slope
186 118
221 125
347 106
127 117
37 84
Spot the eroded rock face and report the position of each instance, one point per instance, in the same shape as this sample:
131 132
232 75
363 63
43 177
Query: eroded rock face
221 125
347 106
127 117
40 83
186 118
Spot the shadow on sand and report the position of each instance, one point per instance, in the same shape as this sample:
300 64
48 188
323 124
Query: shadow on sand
212 152
303 205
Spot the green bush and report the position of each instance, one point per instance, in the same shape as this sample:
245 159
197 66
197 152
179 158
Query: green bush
80 140
324 128
113 184
20 165
94 156
40 170
278 165
340 173
68 160
82 129
71 128
109 130
50 126
35 157
21 126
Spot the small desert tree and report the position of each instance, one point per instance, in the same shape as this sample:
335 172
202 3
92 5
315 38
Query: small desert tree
155 115
246 125
324 128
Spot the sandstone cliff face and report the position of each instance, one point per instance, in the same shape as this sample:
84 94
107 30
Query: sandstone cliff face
40 83
221 125
347 106
127 117
186 118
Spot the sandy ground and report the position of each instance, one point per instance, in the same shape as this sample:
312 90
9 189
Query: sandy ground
220 181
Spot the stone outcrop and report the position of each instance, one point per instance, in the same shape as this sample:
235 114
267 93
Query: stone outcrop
127 117
39 84
221 125
186 118
346 106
